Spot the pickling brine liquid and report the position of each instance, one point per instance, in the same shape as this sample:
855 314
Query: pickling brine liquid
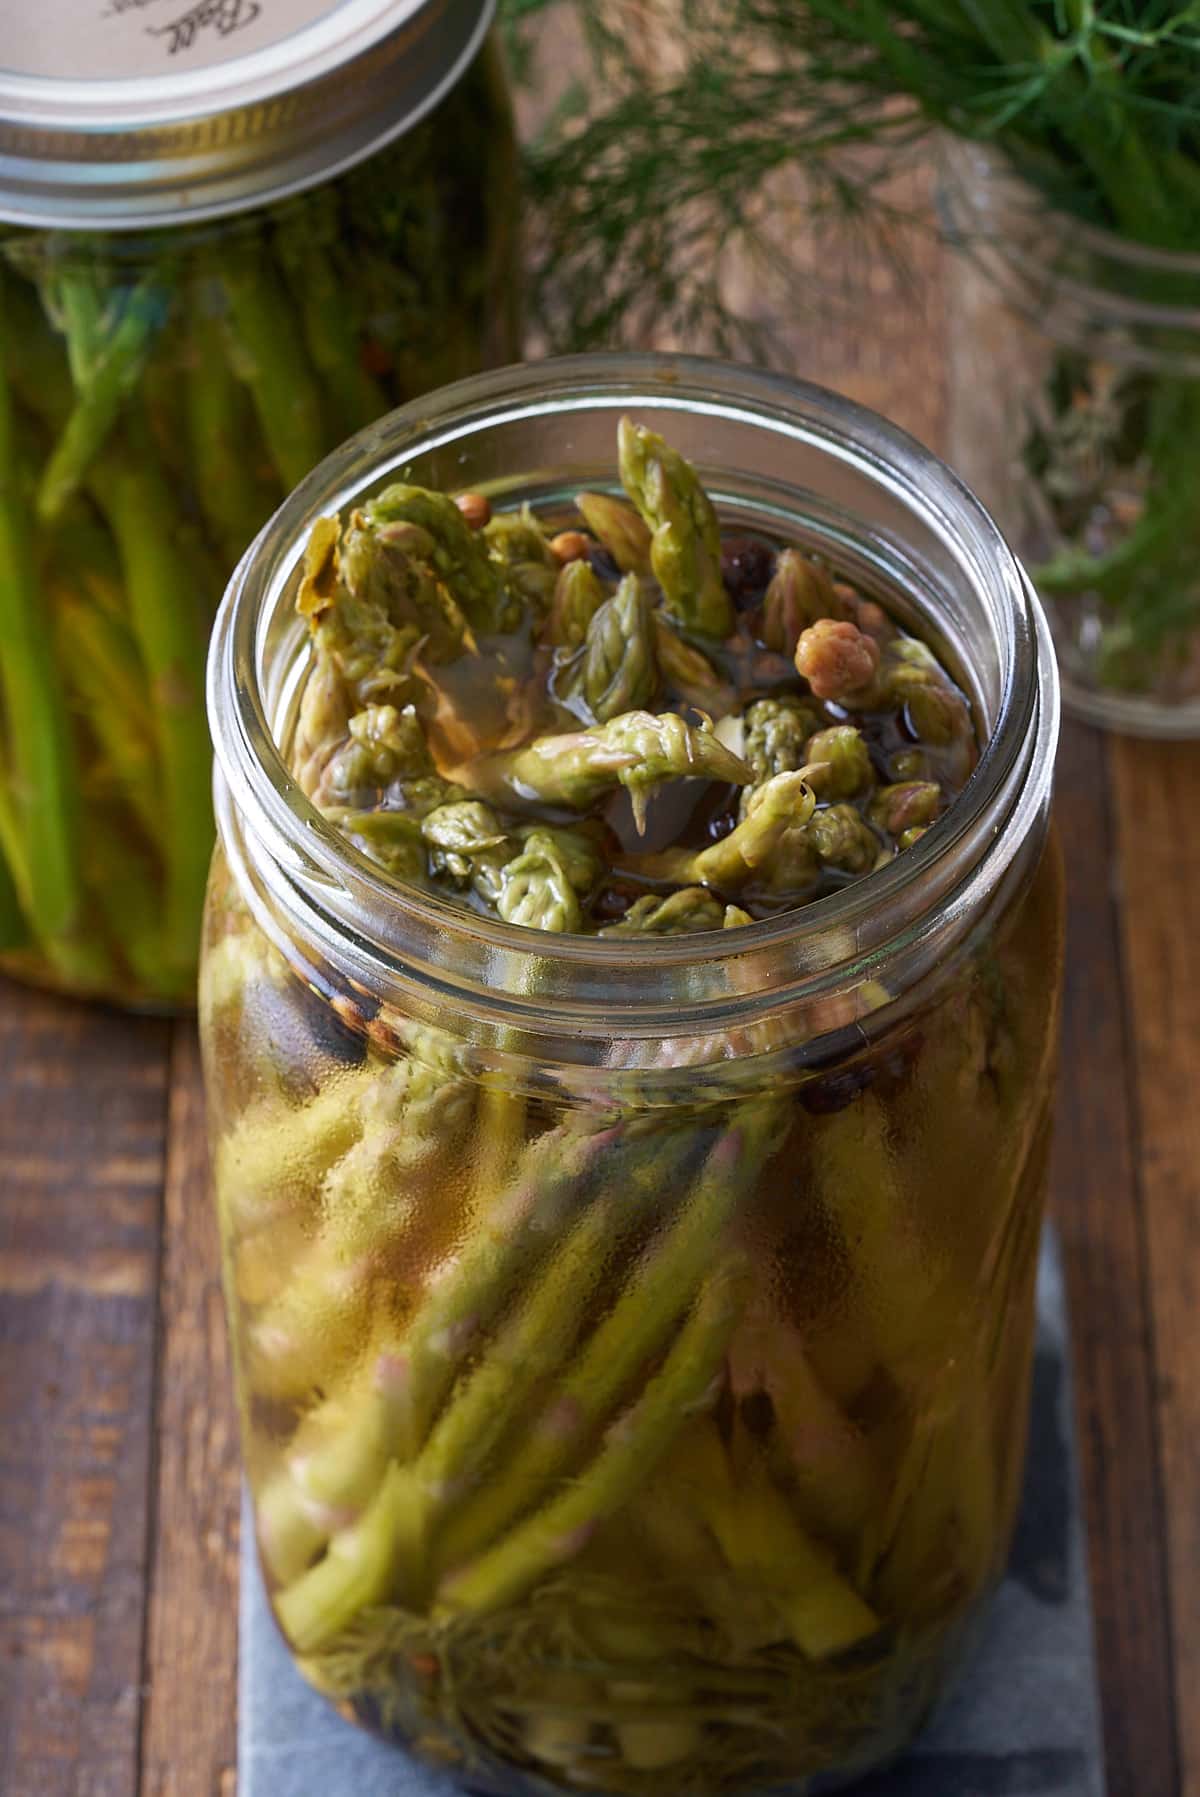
668 1444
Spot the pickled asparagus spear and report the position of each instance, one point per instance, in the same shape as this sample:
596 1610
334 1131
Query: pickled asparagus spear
139 510
690 672
681 913
578 596
617 669
106 677
685 549
631 1449
109 358
457 553
461 1300
306 240
621 530
638 751
761 1538
800 593
363 1565
529 568
342 1448
266 350
535 889
43 850
648 1309
770 842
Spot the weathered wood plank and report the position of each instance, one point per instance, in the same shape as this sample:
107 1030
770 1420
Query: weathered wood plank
1156 786
82 1130
188 1736
1094 1185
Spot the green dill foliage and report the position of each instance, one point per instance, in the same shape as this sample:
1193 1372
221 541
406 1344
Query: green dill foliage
656 167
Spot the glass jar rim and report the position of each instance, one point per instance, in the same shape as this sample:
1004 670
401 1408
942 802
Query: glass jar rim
578 983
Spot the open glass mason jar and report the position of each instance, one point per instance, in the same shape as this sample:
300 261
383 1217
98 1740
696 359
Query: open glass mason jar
1074 411
633 1336
233 235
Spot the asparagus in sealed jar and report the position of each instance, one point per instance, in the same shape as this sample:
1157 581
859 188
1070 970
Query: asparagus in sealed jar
161 390
656 1430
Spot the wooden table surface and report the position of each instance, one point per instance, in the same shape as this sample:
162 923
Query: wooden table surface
118 1450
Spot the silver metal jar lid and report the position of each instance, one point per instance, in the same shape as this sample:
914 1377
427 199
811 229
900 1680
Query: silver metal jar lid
125 114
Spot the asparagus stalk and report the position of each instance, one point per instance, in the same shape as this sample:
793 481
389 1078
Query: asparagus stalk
413 1117
685 551
764 1542
165 609
273 1159
771 844
800 593
622 531
344 1445
529 567
910 1305
307 240
681 913
830 1462
333 1468
364 1565
40 754
691 674
222 435
617 670
457 553
267 353
122 889
14 932
458 1305
642 1319
638 750
578 596
107 683
535 889
841 838
110 370
631 1449
776 735
532 1347
842 762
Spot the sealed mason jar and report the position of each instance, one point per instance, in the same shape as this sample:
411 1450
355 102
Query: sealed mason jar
1074 412
633 1336
233 236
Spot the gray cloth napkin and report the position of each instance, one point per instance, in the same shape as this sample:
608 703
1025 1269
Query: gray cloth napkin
1024 1722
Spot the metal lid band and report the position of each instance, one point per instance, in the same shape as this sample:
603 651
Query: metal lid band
173 149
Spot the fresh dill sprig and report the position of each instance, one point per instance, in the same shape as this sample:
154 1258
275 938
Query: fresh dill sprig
659 168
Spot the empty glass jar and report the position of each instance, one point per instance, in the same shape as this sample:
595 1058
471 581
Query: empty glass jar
1074 412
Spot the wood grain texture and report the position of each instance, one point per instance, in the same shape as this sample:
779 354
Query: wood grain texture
189 1730
82 1131
1155 789
1095 1196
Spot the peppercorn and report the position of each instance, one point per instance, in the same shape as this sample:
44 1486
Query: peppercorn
475 509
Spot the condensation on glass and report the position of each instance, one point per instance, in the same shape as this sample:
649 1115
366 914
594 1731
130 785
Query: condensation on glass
633 1338
234 235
